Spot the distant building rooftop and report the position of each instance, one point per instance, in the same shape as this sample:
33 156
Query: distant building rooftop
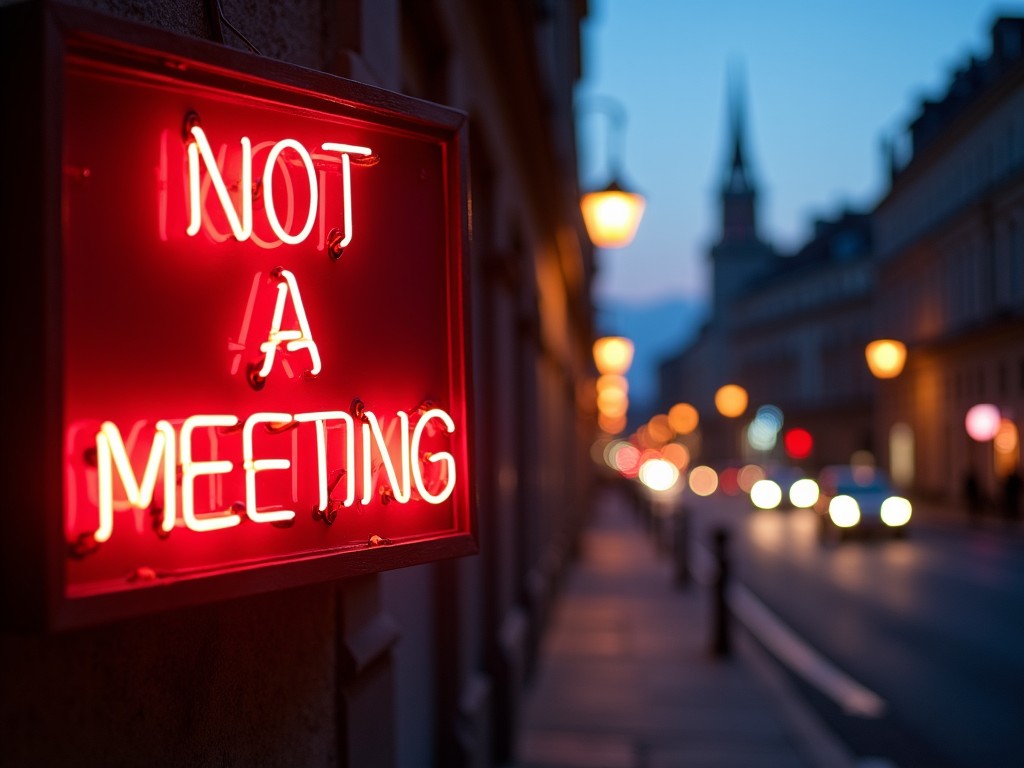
969 82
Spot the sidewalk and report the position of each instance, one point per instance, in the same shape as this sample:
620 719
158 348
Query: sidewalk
627 680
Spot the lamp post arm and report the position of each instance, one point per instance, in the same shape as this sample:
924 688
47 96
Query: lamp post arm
616 113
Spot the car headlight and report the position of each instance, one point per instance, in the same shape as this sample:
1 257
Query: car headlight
803 494
895 511
844 511
766 494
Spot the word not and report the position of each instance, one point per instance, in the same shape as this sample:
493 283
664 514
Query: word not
240 221
171 451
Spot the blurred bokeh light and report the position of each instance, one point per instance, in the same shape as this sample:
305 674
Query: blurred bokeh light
703 480
613 355
659 474
803 494
683 418
766 494
886 358
731 400
749 475
798 443
982 422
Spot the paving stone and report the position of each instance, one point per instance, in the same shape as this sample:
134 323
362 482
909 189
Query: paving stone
626 678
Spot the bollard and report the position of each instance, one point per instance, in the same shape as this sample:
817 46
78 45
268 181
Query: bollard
664 522
721 646
681 546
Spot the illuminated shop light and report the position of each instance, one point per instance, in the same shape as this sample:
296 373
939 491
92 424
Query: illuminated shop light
982 422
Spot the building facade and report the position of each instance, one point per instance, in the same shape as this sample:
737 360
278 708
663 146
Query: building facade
418 666
790 329
799 336
951 275
938 264
738 259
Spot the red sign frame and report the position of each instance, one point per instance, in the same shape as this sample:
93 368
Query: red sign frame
297 358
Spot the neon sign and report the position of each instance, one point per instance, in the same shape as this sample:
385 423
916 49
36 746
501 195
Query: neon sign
262 336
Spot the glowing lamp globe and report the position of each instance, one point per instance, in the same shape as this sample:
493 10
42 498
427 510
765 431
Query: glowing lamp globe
612 402
611 425
731 400
982 422
612 381
612 215
613 355
683 418
659 474
886 358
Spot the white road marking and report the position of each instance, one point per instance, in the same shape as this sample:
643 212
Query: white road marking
791 649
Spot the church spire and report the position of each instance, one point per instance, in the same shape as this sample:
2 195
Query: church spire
738 178
739 196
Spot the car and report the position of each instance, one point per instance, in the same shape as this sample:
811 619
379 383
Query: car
859 500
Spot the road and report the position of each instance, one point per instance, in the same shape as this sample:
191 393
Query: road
931 626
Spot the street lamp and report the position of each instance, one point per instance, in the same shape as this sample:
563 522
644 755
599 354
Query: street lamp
683 418
731 400
612 214
613 355
886 358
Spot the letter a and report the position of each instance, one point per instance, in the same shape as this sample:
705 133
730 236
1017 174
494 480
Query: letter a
292 339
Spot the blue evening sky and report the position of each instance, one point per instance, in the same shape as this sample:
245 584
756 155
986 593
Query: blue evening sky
824 81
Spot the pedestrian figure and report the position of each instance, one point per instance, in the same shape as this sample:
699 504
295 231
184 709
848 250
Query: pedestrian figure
972 496
1011 496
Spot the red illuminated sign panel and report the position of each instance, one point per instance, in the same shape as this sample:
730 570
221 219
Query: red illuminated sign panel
262 332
